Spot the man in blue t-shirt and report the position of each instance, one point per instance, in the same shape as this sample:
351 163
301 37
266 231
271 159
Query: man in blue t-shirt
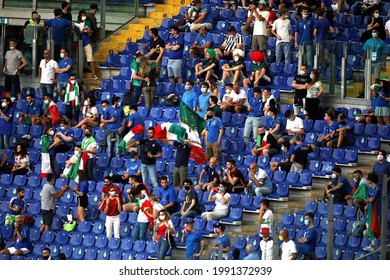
304 37
205 17
308 241
213 135
32 112
321 29
194 241
174 49
203 41
15 207
64 70
253 120
375 49
189 96
339 187
167 195
222 240
117 120
135 119
22 243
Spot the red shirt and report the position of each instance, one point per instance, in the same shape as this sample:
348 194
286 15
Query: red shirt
112 207
106 189
161 231
272 17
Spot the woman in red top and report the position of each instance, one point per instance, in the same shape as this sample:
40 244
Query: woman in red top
112 208
163 227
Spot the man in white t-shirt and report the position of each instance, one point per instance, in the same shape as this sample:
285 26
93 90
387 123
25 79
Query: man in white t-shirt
289 250
235 101
294 126
266 217
47 71
259 182
387 28
281 30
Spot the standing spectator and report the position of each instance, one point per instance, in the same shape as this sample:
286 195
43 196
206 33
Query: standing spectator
259 182
150 150
213 135
387 28
194 241
312 101
89 150
166 195
174 49
260 72
29 36
233 41
67 40
234 70
266 144
64 69
47 71
48 194
205 17
300 84
14 62
233 176
251 253
95 30
253 119
281 30
266 217
164 229
51 115
203 99
16 207
304 37
149 85
321 29
209 177
189 96
289 250
108 185
142 224
156 46
82 194
136 79
33 111
119 121
72 100
268 100
47 145
221 209
339 187
106 121
135 185
300 154
266 245
382 167
208 68
90 114
112 206
59 26
222 240
294 126
133 120
203 42
6 119
309 239
190 207
374 49
21 239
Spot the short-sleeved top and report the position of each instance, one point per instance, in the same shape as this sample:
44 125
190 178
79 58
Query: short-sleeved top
315 89
63 63
189 98
13 60
381 168
211 173
282 28
193 240
232 64
224 240
48 71
260 26
6 126
203 40
213 127
153 44
377 47
59 25
258 67
209 17
83 187
301 80
135 68
136 119
257 107
151 146
260 176
301 152
311 236
25 243
273 122
203 103
174 41
16 202
376 193
232 41
19 161
288 249
89 145
346 188
108 114
240 177
34 108
219 205
188 199
305 29
85 36
47 199
182 154
322 25
142 218
93 111
133 167
167 195
207 63
68 133
113 208
294 125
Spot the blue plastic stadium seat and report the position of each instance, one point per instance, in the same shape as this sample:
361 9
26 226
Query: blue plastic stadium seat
235 215
275 68
281 193
90 253
112 59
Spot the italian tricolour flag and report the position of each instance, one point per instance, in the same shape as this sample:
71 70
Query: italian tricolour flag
134 131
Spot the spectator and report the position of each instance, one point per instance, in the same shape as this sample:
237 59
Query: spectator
136 79
92 19
281 30
215 91
208 68
237 102
108 185
314 90
374 22
300 84
72 100
304 37
65 137
156 208
51 115
194 241
48 194
235 70
33 112
213 135
203 100
325 138
46 254
260 72
189 96
22 244
46 71
142 224
67 40
300 154
149 86
47 152
89 150
309 239
343 135
221 209
374 49
209 176
72 165
266 144
233 41
259 182
236 254
369 117
14 62
82 195
213 102
156 46
164 229
382 110
205 17
359 190
251 253
253 119
266 245
387 28
16 207
338 187
274 122
294 126
59 26
63 69
90 114
21 165
266 217
174 49
289 250
6 119
223 241
166 195
233 4
234 179
112 206
133 167
117 121
285 155
190 207
267 97
133 120
382 167
203 42
135 185
321 29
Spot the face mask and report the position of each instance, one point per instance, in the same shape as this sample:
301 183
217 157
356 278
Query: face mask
104 109
11 48
333 175
72 82
217 230
3 104
301 72
187 230
132 159
311 76
51 133
83 18
203 90
222 190
236 58
304 16
269 114
62 55
187 188
87 135
254 62
380 157
291 119
326 119
374 35
46 101
86 103
62 127
281 238
112 193
266 238
76 153
119 104
162 217
187 87
376 15
306 222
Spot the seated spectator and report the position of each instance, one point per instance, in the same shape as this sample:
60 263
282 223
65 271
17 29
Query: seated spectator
72 165
203 99
133 167
259 182
21 165
90 114
190 207
221 209
260 73
189 97
207 68
285 155
51 114
343 135
234 70
299 154
233 177
203 42
359 190
33 111
167 195
267 98
233 41
253 119
375 22
325 138
205 17
215 90
190 15
16 207
209 176
266 144
65 136
294 126
338 187
22 244
251 253
222 240
275 122
236 101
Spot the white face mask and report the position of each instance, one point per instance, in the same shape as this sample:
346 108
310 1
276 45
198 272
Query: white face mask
83 18
254 62
3 104
76 153
11 48
227 91
86 103
301 72
333 175
119 104
162 217
62 55
376 15
380 157
46 101
51 133
311 76
112 193
304 16
72 82
236 58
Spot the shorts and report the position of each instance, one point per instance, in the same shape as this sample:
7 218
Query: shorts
376 69
259 42
229 1
47 217
174 68
241 77
89 53
382 111
12 250
61 86
82 201
12 81
46 89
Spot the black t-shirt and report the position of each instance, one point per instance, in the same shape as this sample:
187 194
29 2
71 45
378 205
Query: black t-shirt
301 153
153 44
149 146
271 140
211 173
182 154
188 199
301 80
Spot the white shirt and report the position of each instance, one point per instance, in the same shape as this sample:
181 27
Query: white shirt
142 218
269 98
288 249
269 216
260 176
242 96
282 28
219 205
48 71
260 27
294 125
387 26
267 249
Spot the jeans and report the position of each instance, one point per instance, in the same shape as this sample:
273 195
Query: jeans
112 221
109 144
46 89
267 188
162 248
251 124
285 48
140 231
4 141
306 51
149 172
189 214
135 95
149 95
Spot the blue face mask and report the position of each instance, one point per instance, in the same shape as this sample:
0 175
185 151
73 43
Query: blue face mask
306 222
187 87
203 90
62 128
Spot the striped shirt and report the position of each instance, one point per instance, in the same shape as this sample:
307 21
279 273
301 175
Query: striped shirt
232 41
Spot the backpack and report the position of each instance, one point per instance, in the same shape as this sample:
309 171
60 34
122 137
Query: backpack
172 100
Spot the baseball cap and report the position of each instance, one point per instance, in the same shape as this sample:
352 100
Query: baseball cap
232 28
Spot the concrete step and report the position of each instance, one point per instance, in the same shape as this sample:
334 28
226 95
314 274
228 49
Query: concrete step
150 21
178 2
161 15
168 8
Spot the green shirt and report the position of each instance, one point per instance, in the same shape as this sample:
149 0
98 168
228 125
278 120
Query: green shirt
257 67
45 144
135 68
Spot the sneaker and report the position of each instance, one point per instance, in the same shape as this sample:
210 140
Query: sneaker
370 248
95 77
220 83
317 200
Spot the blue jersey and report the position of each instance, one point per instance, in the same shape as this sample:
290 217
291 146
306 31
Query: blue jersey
16 202
322 25
189 98
305 30
193 241
204 104
64 77
6 126
309 246
213 127
58 25
25 243
203 40
173 41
